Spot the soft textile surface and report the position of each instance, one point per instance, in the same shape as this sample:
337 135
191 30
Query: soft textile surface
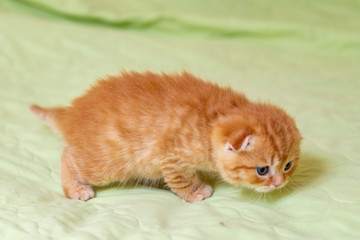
303 55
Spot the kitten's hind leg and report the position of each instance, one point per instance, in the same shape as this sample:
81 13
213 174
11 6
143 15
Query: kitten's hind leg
72 187
184 181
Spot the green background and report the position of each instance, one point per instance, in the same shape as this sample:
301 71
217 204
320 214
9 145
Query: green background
303 55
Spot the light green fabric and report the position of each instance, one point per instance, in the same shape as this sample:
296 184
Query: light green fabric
303 55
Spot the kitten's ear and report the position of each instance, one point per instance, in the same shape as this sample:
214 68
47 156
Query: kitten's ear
229 147
240 142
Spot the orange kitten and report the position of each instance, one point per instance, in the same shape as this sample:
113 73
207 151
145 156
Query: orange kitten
170 126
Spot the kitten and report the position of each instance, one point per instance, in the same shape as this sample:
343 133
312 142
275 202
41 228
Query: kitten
170 126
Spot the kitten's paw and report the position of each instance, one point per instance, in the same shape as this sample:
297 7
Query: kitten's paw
203 192
83 193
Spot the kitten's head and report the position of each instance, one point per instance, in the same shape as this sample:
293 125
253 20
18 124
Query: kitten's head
259 151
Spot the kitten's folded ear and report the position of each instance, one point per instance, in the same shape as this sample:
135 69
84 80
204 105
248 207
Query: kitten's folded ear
234 134
241 140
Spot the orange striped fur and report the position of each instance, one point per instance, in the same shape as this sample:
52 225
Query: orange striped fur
147 125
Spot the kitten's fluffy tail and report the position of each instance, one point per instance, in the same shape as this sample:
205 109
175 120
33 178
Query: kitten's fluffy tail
50 116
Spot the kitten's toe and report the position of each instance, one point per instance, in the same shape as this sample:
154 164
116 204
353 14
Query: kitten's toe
83 193
203 192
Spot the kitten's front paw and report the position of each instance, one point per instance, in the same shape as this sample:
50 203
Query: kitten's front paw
83 193
203 192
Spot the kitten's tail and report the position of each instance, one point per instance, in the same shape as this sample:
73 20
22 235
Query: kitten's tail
50 116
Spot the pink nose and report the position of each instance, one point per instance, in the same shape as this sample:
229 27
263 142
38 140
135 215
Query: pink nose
277 180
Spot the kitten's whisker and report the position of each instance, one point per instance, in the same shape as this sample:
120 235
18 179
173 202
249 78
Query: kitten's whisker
267 196
256 195
250 196
296 184
253 196
287 188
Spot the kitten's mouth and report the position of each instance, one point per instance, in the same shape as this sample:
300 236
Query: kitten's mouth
265 188
270 188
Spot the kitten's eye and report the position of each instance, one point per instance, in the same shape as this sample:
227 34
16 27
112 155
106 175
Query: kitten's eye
262 170
288 166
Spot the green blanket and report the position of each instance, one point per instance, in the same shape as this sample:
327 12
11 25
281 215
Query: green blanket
303 55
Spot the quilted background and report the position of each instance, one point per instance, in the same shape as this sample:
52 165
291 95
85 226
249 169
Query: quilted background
303 55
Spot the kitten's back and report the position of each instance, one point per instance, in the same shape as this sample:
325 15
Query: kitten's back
146 101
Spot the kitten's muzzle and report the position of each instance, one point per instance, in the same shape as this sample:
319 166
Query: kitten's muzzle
277 180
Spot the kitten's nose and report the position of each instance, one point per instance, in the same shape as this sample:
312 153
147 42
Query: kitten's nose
277 180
